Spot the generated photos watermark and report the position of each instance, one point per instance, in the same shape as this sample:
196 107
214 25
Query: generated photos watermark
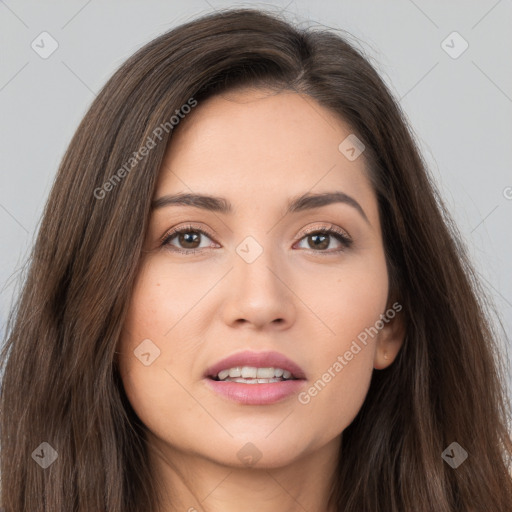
151 142
342 360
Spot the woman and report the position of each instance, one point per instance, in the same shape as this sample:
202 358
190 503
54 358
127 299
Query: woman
246 293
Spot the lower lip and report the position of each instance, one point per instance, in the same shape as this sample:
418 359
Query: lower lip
256 394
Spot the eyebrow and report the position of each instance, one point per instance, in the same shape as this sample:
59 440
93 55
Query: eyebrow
300 203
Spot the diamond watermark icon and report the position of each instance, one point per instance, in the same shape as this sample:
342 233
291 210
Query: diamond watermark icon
249 454
454 45
146 352
44 45
45 455
249 249
351 147
454 455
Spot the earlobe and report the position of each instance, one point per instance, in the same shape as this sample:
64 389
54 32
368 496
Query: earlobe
382 359
389 341
385 356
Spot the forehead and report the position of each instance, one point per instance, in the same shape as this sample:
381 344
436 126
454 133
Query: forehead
252 144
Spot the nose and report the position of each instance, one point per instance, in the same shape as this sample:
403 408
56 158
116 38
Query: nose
259 295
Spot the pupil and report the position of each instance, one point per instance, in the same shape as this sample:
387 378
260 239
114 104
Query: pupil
322 244
187 238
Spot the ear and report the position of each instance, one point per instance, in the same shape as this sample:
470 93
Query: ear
390 338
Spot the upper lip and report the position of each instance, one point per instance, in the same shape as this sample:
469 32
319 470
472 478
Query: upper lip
270 359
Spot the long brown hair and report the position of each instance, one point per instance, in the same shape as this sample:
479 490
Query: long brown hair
61 384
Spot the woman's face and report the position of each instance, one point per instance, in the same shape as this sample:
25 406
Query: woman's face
260 280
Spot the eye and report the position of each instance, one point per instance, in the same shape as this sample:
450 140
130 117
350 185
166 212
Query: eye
320 239
188 237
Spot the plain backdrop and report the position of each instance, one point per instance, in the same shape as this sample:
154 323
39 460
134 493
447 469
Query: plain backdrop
456 90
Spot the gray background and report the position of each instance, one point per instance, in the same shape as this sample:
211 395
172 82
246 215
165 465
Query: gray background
460 108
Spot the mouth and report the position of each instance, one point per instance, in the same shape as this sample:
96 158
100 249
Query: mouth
250 367
255 378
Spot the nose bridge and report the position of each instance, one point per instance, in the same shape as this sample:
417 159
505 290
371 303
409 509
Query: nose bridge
256 265
258 294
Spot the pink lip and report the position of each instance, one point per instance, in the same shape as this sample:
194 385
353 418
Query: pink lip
256 394
258 359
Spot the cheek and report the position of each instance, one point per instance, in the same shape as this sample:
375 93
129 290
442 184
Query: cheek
156 392
346 298
154 384
349 305
342 373
164 309
338 388
161 297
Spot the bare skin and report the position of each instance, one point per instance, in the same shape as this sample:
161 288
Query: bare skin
307 301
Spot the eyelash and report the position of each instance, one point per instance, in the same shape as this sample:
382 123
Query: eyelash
331 230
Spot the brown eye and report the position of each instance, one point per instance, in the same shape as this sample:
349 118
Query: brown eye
321 239
187 238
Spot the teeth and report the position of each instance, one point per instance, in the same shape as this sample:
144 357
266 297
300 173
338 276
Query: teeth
265 373
235 372
223 374
251 374
252 381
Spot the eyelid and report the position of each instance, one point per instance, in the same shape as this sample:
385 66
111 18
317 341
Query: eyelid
325 227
